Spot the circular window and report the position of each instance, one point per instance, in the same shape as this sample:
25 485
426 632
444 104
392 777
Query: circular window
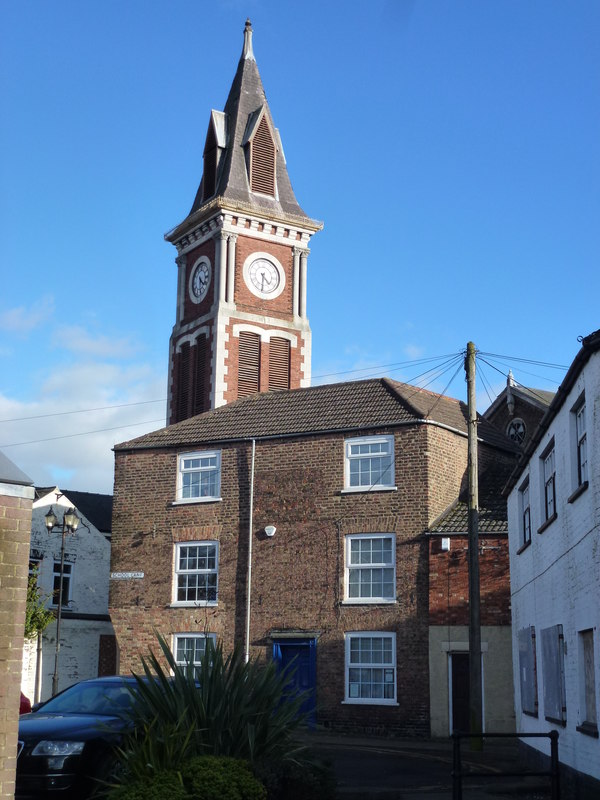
516 430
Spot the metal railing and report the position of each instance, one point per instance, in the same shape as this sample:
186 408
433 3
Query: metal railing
459 775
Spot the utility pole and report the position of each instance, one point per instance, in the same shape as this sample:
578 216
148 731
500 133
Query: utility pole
475 682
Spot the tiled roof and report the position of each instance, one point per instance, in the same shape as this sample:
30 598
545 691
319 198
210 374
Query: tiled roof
350 406
543 396
492 505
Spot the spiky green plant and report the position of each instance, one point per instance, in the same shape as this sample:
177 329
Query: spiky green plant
224 707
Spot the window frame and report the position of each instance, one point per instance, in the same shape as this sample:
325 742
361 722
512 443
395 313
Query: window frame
178 571
526 643
588 703
581 444
548 483
525 513
379 565
349 458
67 583
553 671
181 471
349 664
186 635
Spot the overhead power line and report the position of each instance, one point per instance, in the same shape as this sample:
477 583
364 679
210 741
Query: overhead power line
83 433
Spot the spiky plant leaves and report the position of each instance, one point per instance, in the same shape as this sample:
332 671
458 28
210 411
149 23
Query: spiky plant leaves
223 707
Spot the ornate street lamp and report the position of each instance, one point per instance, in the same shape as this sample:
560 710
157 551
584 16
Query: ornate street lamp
70 523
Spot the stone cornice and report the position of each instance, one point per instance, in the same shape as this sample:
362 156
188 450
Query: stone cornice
218 213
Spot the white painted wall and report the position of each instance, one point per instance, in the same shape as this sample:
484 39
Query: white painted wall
88 551
556 580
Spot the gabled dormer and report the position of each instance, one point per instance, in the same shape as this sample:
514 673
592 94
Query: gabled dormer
213 149
260 150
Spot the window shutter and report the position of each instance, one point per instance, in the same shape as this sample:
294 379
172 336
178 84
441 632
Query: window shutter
248 364
279 364
200 375
183 382
262 177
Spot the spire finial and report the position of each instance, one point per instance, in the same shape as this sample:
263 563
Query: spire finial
247 52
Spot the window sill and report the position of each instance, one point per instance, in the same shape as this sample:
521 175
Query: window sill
367 489
588 728
368 702
530 713
377 601
578 491
547 523
194 604
524 547
189 501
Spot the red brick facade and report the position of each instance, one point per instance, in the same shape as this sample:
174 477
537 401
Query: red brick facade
298 574
449 581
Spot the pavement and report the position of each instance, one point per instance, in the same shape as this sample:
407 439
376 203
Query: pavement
372 768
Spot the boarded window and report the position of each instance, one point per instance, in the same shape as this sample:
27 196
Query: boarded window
528 671
262 160
248 364
279 364
183 382
200 375
553 670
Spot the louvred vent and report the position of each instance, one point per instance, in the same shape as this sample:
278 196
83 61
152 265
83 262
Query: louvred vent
279 364
183 382
262 177
200 377
249 363
209 179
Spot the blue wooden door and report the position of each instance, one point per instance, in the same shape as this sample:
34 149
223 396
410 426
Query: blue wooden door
299 656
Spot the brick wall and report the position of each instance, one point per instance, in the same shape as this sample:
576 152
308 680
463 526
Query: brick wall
15 526
449 581
298 575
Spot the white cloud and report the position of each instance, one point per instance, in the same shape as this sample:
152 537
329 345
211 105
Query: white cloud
21 320
53 445
413 351
76 339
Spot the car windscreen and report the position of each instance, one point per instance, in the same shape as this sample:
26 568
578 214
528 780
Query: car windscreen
91 698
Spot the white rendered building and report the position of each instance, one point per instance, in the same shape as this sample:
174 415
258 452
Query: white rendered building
554 541
87 642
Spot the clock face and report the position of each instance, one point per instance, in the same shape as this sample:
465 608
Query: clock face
200 281
264 276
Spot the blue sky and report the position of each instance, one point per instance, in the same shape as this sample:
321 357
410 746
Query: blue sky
450 147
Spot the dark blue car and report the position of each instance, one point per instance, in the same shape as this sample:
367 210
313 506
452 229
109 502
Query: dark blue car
66 744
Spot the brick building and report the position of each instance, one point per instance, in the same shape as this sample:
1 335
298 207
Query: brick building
242 252
449 608
518 410
16 496
331 566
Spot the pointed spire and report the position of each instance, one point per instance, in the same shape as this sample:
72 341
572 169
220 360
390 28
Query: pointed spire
247 53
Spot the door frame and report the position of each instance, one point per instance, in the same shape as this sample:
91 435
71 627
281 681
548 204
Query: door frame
464 651
309 642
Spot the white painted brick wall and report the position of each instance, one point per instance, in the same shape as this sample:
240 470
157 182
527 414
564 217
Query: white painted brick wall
89 552
556 580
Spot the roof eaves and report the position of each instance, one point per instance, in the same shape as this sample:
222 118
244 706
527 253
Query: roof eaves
590 344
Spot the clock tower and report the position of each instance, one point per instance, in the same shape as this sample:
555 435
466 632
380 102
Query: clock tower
241 324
